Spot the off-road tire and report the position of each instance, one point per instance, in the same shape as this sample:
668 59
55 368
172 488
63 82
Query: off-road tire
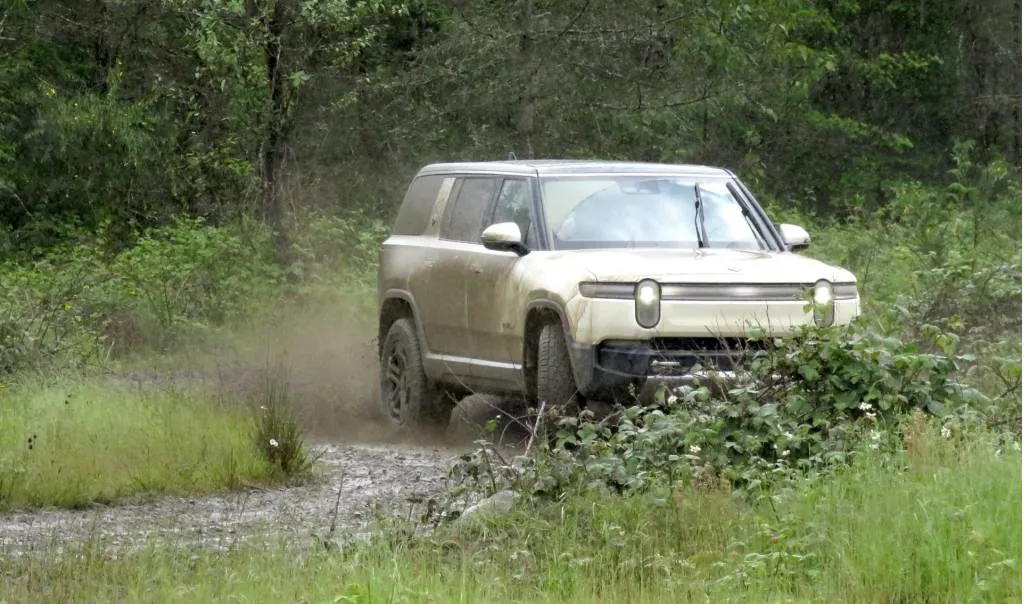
407 397
555 382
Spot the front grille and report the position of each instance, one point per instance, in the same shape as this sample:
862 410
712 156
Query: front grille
675 355
704 344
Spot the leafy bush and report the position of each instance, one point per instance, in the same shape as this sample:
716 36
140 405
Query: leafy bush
803 403
81 303
192 275
943 259
53 306
327 246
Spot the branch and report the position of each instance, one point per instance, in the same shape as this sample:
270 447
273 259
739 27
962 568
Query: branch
572 22
673 105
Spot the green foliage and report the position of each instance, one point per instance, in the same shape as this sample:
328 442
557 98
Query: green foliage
943 259
942 528
277 435
802 403
134 113
80 304
335 250
53 306
78 443
192 274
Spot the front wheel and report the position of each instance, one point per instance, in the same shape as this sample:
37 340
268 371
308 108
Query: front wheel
406 395
555 382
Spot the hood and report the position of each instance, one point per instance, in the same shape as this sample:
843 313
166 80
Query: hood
703 266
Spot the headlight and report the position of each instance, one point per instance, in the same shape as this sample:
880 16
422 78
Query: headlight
824 304
823 293
647 298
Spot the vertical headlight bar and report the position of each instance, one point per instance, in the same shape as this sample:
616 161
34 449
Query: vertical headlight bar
824 300
647 298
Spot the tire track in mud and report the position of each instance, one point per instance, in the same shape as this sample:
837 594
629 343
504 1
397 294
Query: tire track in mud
368 476
332 385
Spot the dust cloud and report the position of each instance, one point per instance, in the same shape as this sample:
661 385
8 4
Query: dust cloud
325 359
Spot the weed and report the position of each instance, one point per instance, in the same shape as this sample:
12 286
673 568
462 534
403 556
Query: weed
277 434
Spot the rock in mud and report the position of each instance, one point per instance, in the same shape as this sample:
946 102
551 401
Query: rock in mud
499 503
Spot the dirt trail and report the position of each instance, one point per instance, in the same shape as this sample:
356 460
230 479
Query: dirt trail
368 475
332 386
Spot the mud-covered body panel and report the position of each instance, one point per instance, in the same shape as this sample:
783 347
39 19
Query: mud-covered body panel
473 305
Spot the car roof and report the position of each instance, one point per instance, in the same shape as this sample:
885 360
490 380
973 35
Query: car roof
571 167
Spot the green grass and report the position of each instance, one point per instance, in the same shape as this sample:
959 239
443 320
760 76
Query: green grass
74 443
941 523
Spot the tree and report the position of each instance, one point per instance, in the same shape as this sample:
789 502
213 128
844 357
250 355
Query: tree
258 56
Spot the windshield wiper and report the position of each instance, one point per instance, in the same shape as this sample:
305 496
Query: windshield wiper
698 219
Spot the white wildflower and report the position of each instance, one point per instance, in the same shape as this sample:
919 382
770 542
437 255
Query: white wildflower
788 435
946 432
870 415
274 443
785 453
673 399
694 449
865 407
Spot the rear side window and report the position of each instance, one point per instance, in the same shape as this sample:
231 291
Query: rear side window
465 220
414 215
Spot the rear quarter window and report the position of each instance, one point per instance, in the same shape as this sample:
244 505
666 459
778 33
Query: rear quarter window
414 215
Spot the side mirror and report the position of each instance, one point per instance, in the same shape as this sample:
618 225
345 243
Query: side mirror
504 237
795 237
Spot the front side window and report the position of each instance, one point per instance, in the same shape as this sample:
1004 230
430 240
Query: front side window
645 211
465 220
513 205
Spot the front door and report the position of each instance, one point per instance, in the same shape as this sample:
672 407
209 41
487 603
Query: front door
496 349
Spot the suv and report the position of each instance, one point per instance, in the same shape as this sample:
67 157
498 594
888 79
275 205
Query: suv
568 281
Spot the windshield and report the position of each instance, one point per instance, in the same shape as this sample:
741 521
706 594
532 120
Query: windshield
644 211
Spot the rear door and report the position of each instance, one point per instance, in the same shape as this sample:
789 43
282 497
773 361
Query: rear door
418 257
442 285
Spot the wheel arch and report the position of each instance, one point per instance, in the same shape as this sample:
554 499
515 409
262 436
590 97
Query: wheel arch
398 305
538 314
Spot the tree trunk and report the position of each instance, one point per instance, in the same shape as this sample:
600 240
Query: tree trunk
273 20
524 120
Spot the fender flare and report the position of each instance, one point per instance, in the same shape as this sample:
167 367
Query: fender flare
398 294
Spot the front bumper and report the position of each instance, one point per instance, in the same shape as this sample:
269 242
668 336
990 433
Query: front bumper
612 366
693 339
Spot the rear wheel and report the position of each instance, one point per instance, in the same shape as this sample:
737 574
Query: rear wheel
555 383
406 395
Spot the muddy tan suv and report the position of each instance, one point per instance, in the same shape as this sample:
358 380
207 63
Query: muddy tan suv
568 281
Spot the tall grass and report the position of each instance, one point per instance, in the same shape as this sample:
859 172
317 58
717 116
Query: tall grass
74 443
940 522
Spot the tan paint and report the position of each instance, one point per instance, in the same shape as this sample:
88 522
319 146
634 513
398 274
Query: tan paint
473 302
